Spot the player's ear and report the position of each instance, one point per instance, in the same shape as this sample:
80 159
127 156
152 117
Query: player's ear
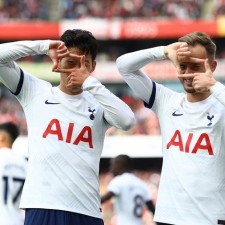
2 137
213 65
93 66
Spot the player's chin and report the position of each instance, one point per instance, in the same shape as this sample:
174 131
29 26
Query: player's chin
190 90
75 89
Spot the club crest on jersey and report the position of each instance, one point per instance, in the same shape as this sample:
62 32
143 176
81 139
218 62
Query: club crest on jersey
92 113
209 117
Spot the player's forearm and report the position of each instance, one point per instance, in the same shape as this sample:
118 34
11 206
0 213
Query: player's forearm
116 112
134 61
15 50
9 70
130 65
107 197
218 91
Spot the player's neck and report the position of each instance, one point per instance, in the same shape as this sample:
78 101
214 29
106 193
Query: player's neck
197 97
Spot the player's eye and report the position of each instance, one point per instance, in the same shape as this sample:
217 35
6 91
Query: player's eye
71 62
196 66
183 67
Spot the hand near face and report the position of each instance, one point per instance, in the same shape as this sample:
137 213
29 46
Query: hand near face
202 81
57 51
179 52
170 51
75 70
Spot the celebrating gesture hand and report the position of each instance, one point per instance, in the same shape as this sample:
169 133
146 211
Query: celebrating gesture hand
57 51
202 81
77 74
191 66
180 52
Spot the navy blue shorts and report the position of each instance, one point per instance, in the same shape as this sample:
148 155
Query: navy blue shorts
58 217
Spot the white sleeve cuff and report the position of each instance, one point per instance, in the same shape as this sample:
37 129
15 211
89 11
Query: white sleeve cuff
44 47
88 83
161 53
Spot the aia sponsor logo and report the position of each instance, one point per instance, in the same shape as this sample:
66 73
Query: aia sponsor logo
203 143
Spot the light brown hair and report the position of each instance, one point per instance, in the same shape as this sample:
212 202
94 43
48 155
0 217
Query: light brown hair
202 39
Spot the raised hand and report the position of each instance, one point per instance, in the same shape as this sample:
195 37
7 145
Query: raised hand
202 81
184 54
179 52
77 74
170 51
57 51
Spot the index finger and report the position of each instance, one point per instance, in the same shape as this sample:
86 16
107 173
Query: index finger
186 75
189 59
82 61
60 70
207 66
75 56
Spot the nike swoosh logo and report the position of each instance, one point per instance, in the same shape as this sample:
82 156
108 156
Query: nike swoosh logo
177 114
51 103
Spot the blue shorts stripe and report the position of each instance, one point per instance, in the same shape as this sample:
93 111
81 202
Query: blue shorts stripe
58 217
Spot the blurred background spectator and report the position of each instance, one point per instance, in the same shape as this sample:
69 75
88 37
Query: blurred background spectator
74 9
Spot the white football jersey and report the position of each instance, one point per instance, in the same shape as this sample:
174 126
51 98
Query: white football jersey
192 180
13 169
65 134
192 186
131 194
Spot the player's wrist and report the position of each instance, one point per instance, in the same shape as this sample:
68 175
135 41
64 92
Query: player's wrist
157 53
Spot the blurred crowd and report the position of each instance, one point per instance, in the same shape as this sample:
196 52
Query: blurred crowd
73 9
185 9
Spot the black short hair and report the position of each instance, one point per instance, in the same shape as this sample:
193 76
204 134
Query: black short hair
124 160
81 39
11 129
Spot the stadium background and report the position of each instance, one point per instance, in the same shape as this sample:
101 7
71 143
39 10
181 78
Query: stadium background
120 26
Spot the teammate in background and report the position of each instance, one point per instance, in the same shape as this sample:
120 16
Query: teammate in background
191 189
66 128
130 193
13 168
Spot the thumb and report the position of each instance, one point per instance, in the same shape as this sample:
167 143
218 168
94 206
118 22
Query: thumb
55 64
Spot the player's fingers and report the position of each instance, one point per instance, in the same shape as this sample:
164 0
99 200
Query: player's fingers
181 49
186 58
183 44
82 61
60 70
55 64
207 66
186 75
184 52
63 55
61 45
196 60
75 56
63 50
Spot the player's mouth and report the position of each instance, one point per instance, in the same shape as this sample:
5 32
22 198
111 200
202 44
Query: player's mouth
188 81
